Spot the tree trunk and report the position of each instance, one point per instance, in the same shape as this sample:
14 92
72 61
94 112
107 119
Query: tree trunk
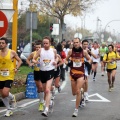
61 29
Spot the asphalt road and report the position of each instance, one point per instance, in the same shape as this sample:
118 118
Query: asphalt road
103 105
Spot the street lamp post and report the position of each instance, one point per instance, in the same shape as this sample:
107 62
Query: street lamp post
97 24
108 24
31 25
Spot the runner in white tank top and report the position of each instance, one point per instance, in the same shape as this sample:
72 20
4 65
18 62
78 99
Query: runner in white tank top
48 61
95 50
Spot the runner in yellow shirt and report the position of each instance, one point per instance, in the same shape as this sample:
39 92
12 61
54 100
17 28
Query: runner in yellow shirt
37 76
7 73
110 58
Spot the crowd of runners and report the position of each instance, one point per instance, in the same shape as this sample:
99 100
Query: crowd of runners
79 58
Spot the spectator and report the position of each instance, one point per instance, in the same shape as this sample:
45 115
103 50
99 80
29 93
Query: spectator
63 56
21 46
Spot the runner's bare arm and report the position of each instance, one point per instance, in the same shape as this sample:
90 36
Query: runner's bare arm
118 56
98 54
86 55
56 57
34 60
93 55
59 60
105 59
30 57
68 56
14 55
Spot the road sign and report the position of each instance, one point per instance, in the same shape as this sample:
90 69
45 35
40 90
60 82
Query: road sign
95 36
110 39
55 29
102 36
3 23
102 40
78 35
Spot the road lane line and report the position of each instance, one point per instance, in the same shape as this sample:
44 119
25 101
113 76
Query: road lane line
101 98
36 100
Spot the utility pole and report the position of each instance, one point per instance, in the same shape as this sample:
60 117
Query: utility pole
97 25
31 24
15 27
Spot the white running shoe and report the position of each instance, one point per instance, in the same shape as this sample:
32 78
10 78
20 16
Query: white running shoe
83 104
8 113
52 97
59 89
93 79
45 113
102 74
86 97
75 114
51 106
53 94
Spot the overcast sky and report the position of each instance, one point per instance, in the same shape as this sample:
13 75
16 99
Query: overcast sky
107 10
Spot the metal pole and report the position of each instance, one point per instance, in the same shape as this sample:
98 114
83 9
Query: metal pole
31 25
31 30
97 24
14 27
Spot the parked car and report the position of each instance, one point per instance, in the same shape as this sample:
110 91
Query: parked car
26 52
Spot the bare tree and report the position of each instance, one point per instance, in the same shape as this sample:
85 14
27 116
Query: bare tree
60 8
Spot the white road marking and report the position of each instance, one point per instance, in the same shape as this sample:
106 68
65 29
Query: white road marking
1 23
3 110
31 102
101 98
36 100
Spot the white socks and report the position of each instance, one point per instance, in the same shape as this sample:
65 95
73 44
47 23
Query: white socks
6 102
85 93
41 96
10 96
7 99
76 109
46 108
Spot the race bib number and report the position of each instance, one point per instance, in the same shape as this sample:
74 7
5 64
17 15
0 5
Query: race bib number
77 64
5 73
46 62
112 63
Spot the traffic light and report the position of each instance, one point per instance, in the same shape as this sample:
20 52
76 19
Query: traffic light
51 27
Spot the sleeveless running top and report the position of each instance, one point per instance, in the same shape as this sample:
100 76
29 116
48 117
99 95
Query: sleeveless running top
103 51
77 59
36 67
6 67
47 57
96 52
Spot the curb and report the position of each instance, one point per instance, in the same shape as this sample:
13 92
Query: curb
20 96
